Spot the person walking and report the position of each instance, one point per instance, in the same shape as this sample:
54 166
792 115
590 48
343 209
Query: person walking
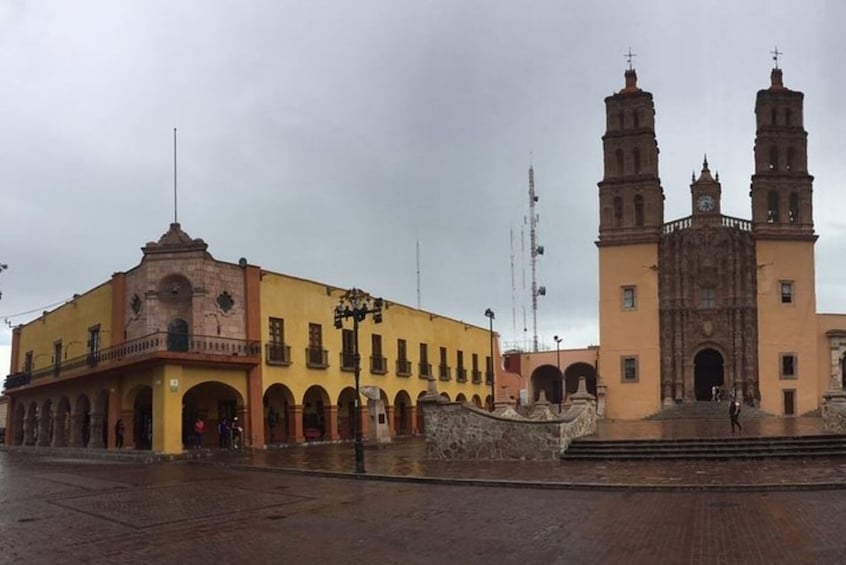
734 414
119 429
223 433
199 429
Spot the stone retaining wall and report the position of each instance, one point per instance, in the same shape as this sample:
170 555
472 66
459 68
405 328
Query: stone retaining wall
459 431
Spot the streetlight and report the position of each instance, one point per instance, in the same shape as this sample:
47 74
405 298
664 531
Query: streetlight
558 341
357 304
490 314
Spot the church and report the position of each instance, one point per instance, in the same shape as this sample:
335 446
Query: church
708 299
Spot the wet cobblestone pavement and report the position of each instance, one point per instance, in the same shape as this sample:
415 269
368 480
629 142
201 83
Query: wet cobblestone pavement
57 510
406 458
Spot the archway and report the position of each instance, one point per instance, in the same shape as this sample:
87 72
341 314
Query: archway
315 401
100 421
20 416
477 401
45 423
31 435
421 428
576 370
81 422
461 398
278 405
210 401
708 372
445 396
547 378
142 417
61 423
402 413
346 412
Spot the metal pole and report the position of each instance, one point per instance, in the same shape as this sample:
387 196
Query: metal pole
359 445
493 372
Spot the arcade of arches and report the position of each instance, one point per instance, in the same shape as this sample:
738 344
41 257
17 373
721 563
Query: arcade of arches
89 420
558 386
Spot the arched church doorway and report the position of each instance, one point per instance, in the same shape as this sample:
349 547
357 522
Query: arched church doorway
708 372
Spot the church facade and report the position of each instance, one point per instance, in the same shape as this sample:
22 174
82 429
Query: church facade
708 299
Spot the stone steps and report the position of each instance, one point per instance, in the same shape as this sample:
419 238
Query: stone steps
827 445
700 410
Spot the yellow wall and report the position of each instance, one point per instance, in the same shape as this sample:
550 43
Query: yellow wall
300 302
70 324
629 333
787 328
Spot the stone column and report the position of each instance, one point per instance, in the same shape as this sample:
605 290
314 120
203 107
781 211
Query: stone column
59 439
412 419
77 422
332 423
45 423
95 437
295 423
31 430
392 425
365 421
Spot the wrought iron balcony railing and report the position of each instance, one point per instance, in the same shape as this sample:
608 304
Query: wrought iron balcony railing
403 368
444 372
425 370
347 361
277 353
316 358
378 365
140 348
477 376
461 375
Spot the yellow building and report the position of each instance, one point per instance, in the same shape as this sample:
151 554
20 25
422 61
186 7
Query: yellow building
184 336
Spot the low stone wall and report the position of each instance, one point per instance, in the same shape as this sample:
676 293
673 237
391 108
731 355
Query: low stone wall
833 411
464 432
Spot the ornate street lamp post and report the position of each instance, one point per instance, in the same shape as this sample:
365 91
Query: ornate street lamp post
357 304
490 314
558 341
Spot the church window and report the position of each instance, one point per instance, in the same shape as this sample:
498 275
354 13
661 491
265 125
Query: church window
618 211
709 297
629 298
788 366
786 291
791 157
629 369
636 156
772 207
638 205
793 210
773 158
619 155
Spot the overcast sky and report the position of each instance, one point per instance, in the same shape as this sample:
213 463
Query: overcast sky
324 139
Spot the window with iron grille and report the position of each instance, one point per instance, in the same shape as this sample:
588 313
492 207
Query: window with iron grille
460 371
477 375
277 351
786 292
347 350
403 364
629 369
377 361
425 367
315 357
788 366
27 368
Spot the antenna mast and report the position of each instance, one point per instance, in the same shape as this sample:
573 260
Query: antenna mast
175 220
536 250
513 287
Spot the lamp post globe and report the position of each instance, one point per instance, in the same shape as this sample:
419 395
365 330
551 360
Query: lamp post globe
357 304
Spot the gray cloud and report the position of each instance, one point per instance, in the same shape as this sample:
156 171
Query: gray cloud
323 139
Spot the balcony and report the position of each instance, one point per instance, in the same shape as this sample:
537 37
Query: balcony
403 368
488 377
461 375
443 372
425 370
378 365
277 353
477 376
316 358
158 345
347 361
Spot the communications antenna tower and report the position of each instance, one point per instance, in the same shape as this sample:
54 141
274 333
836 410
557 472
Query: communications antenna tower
535 251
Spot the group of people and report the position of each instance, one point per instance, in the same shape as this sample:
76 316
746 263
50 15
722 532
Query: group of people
229 434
